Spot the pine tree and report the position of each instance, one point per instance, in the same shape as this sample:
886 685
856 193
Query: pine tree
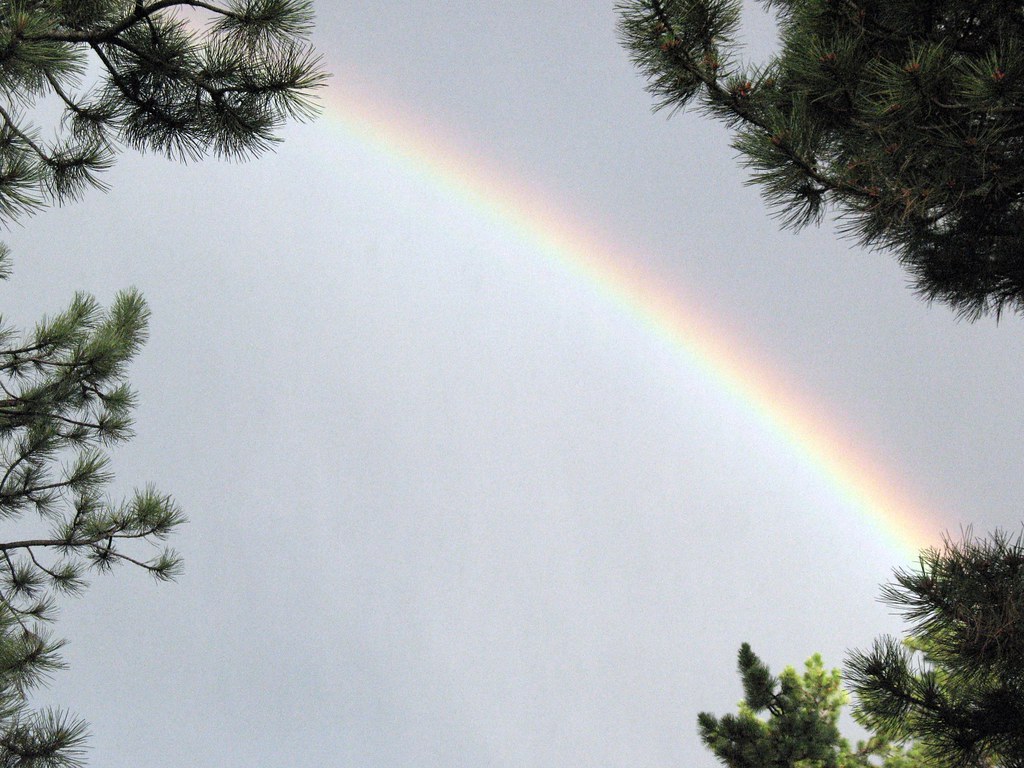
956 684
800 729
181 77
903 116
65 398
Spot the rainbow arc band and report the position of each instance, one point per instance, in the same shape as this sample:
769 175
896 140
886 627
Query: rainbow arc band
617 278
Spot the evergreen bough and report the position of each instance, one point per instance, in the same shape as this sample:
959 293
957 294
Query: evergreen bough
185 78
180 77
64 399
906 117
956 684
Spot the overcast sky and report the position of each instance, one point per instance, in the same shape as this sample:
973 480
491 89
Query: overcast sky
449 505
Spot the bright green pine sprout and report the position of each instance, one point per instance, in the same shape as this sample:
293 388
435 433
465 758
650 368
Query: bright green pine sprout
792 720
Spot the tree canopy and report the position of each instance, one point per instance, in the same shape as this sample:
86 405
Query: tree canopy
903 117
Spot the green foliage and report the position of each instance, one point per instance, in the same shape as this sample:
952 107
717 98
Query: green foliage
64 399
27 738
956 686
953 689
903 116
801 727
180 77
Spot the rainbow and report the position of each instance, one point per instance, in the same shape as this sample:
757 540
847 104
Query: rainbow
619 279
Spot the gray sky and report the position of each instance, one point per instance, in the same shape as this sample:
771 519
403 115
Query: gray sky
449 506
